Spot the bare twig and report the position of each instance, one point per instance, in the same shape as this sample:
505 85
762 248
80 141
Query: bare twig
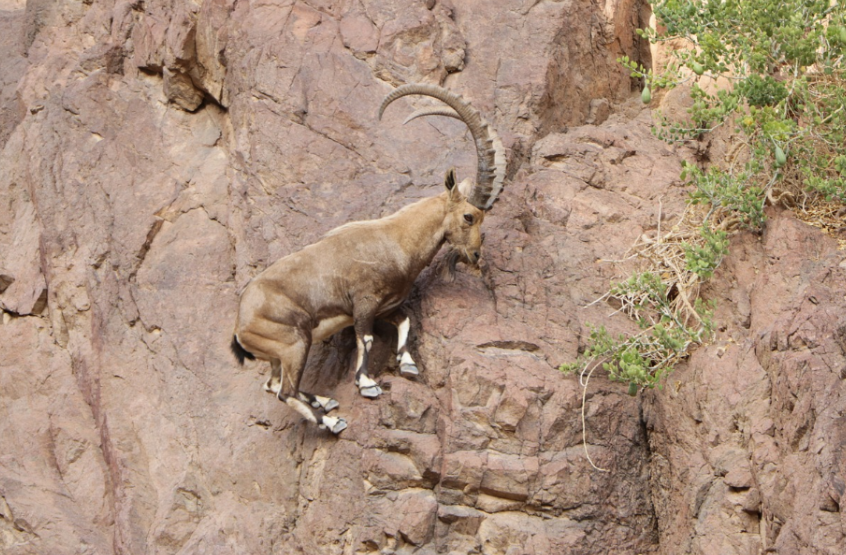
583 381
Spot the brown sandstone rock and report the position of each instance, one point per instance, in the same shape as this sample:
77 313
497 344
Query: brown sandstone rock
754 422
125 424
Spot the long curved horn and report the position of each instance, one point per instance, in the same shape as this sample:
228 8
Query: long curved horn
433 111
490 154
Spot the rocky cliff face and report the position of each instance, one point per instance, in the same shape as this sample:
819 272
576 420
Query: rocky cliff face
157 155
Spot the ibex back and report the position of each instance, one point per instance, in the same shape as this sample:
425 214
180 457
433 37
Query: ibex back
363 271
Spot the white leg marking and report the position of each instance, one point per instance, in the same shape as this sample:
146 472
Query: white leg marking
274 382
402 333
335 424
327 403
368 387
360 356
301 408
302 397
273 385
366 381
406 358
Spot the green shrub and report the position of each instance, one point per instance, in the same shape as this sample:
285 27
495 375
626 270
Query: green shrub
783 65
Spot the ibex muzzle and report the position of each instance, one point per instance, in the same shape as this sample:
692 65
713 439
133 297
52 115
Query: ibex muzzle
363 271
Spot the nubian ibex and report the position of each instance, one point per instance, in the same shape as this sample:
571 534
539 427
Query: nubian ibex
363 271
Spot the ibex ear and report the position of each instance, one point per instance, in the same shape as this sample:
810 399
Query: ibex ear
449 183
449 179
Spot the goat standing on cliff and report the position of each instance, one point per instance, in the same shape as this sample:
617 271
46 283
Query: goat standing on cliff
362 271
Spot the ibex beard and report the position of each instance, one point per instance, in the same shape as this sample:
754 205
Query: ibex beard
363 271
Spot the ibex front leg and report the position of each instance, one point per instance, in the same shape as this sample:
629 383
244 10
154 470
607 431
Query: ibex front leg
364 342
408 367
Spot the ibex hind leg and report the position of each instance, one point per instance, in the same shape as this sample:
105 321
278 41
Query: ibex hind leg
304 403
334 424
326 404
274 382
314 408
288 357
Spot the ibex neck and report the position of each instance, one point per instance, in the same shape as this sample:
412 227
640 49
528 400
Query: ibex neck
423 230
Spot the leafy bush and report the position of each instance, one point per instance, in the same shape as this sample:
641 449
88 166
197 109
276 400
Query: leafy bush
776 71
784 65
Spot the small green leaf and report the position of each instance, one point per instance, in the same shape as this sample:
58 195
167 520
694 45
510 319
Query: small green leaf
780 157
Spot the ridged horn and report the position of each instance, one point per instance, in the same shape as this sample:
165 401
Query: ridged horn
490 154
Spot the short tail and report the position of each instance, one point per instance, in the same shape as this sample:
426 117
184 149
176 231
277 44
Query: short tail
240 352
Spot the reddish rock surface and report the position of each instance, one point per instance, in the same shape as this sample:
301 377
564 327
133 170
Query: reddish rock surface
157 155
754 424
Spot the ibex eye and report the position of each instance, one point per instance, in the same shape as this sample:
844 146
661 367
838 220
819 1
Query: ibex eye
468 218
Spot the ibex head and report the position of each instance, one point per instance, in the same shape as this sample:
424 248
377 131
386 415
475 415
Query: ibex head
469 200
463 223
